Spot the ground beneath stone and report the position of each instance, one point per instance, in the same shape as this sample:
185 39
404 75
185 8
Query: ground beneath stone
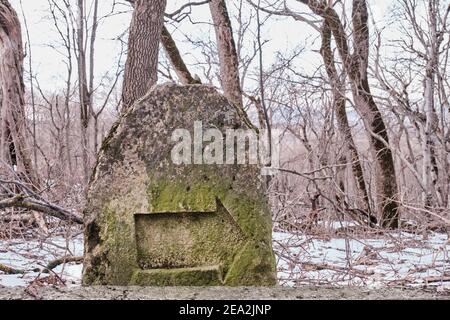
218 293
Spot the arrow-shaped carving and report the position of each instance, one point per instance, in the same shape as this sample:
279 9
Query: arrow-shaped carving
167 240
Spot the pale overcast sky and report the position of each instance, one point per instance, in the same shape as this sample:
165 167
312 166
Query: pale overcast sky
283 34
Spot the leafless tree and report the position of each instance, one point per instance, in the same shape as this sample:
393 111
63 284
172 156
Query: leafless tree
420 65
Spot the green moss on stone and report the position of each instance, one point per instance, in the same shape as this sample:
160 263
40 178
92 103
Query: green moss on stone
254 265
180 196
203 276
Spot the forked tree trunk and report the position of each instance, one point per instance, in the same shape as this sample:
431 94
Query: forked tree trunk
338 92
143 47
356 66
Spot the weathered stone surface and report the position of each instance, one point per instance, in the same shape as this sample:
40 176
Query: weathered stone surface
151 222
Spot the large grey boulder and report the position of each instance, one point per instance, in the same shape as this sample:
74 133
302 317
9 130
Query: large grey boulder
150 221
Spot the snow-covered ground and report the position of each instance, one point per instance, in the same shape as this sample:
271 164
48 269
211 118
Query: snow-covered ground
396 258
32 256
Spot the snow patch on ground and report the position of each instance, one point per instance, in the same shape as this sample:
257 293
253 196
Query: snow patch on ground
34 255
398 258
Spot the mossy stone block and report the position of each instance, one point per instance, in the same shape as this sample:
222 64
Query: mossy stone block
151 222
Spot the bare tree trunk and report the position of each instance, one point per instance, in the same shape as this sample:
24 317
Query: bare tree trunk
14 149
356 66
84 94
385 176
96 137
228 59
338 91
68 128
174 56
143 46
430 171
30 70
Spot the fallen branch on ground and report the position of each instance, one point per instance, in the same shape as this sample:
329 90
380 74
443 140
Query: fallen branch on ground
24 202
16 193
22 218
9 270
435 279
66 259
309 266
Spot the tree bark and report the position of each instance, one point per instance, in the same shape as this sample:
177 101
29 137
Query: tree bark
174 56
143 46
430 170
228 59
84 94
339 103
14 149
385 175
